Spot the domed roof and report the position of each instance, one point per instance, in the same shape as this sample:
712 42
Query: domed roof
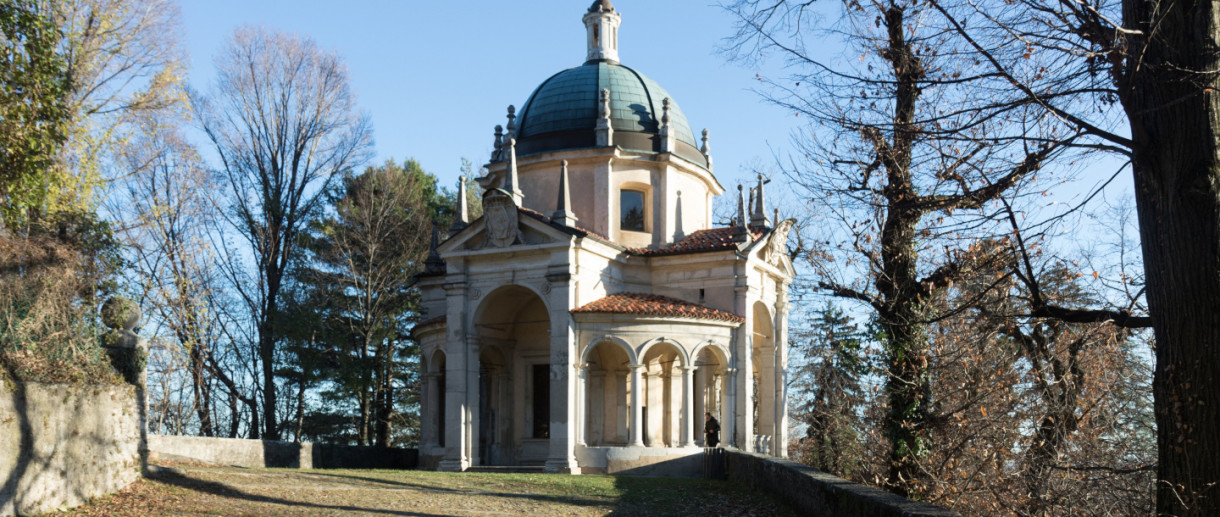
562 112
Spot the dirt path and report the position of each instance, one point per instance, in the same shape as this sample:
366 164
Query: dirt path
193 490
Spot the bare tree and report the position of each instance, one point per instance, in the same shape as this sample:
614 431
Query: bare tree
910 176
1154 62
283 121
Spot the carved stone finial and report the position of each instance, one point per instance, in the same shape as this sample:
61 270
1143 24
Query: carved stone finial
604 128
605 99
498 146
512 121
434 256
741 232
463 214
563 206
706 150
510 171
759 215
667 134
122 345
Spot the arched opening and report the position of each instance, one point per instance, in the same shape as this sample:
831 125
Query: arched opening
491 400
711 367
513 333
662 395
764 373
607 394
436 396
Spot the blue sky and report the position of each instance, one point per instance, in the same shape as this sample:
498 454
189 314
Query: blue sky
437 76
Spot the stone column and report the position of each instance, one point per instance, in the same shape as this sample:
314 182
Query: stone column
622 405
473 408
781 375
728 424
562 455
636 436
586 408
457 412
743 353
700 403
688 406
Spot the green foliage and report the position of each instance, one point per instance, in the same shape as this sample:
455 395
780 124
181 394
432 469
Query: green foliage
34 87
349 324
50 286
829 382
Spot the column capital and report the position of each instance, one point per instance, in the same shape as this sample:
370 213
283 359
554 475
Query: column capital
687 370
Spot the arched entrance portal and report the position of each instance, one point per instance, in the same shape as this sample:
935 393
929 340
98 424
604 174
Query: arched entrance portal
711 365
607 394
663 411
764 377
513 416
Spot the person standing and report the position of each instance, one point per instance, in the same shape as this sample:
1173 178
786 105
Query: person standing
711 431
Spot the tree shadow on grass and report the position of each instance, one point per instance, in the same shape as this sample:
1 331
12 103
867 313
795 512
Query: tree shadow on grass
222 490
569 500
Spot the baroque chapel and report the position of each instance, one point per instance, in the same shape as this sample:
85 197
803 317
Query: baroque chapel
594 314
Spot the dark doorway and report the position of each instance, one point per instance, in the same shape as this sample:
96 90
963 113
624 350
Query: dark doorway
542 401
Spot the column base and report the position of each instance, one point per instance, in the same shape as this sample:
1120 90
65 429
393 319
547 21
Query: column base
452 466
562 466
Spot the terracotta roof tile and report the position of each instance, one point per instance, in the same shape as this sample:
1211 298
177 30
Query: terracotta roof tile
712 239
655 305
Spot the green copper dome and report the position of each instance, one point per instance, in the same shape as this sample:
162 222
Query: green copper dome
562 112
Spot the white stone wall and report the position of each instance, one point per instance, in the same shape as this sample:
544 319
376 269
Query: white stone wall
62 445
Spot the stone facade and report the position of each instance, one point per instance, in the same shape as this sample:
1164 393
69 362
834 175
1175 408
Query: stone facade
595 338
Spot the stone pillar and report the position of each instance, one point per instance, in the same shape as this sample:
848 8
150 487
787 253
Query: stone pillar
728 422
457 412
766 391
622 405
743 352
473 407
562 455
781 369
590 406
701 399
688 406
636 435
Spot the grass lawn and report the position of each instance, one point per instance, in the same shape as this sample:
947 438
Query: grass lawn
283 492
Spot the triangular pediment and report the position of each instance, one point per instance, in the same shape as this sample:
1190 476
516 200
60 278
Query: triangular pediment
527 229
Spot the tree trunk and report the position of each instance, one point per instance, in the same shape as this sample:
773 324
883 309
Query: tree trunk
1174 114
203 395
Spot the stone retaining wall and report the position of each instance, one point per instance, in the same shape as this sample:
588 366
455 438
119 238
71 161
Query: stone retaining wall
816 493
62 445
269 453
